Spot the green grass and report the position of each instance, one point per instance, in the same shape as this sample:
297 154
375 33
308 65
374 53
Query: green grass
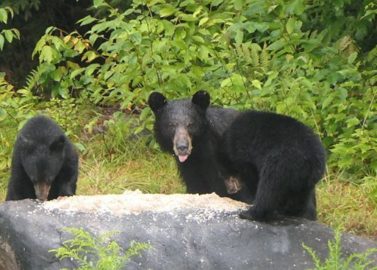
114 160
349 206
136 168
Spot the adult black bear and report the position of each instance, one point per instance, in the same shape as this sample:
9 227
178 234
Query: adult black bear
44 163
192 131
279 159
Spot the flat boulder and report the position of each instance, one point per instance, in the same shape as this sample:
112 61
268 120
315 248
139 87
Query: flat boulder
184 231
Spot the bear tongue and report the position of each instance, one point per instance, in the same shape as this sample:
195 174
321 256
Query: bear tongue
182 158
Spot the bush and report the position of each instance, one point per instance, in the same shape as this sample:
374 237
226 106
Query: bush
97 253
335 260
266 55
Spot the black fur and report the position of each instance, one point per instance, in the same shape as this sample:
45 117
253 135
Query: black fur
189 128
42 156
279 159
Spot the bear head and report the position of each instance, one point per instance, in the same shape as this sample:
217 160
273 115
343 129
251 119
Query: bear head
42 155
180 124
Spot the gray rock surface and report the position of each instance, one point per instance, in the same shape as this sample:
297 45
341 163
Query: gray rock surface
185 232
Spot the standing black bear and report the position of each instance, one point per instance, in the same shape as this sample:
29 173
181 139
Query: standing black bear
279 159
44 162
192 131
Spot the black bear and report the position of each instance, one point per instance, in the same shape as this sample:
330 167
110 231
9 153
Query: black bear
44 162
279 159
191 130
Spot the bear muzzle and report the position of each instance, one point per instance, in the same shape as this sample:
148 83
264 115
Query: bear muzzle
182 145
42 190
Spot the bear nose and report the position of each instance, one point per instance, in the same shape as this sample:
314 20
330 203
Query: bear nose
182 146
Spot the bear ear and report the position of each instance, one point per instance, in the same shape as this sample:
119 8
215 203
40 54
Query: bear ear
201 98
58 143
156 101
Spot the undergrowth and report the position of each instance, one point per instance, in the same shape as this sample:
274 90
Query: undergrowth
92 252
336 259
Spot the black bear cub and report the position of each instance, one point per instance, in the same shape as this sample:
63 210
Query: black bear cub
191 130
279 159
44 163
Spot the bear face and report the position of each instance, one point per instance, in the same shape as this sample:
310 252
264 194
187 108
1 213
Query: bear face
179 123
44 163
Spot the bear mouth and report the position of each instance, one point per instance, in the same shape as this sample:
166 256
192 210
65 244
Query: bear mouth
182 158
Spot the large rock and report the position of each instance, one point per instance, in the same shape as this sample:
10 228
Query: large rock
184 231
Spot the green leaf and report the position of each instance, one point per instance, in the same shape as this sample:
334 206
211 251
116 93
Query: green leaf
89 56
197 11
1 42
3 15
187 18
8 35
16 33
100 3
256 84
198 39
238 4
352 57
328 100
76 72
80 46
296 7
290 26
47 54
277 45
167 11
352 122
168 27
90 69
203 21
87 20
239 37
3 114
215 3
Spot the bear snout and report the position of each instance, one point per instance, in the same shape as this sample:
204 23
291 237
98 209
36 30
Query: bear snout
42 190
182 144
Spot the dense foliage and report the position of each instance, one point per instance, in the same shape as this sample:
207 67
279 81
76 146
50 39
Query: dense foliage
311 60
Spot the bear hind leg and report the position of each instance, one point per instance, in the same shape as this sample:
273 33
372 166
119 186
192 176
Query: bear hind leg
283 189
302 205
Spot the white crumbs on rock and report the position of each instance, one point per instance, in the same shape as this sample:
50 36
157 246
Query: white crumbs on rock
135 202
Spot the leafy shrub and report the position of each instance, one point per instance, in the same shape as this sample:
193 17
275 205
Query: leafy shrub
97 253
14 111
7 34
335 261
266 55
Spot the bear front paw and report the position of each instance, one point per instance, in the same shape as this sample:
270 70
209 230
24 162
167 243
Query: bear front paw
248 214
253 214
